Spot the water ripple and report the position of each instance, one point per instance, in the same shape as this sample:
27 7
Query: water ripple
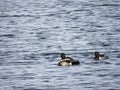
8 35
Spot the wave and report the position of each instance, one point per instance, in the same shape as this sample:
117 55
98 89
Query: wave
18 16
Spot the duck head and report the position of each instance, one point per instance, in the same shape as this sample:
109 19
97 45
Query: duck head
96 54
62 56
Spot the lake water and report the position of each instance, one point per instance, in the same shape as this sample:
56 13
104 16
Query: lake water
33 33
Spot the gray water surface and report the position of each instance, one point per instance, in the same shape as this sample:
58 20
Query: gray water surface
33 33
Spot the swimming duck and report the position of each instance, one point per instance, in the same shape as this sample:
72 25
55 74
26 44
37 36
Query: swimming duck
67 61
98 56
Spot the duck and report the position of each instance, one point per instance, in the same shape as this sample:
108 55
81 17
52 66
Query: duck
98 56
67 61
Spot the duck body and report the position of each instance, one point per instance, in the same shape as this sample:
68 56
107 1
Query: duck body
67 61
98 56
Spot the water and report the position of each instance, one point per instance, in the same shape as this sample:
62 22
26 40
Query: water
33 33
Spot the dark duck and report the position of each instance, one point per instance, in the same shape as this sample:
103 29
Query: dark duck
67 61
98 56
